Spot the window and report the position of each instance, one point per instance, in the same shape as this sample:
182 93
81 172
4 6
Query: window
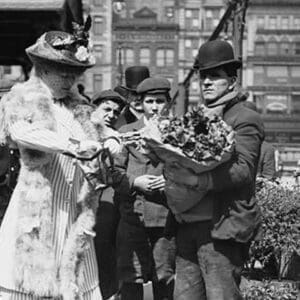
277 71
98 2
195 86
98 82
272 48
284 48
296 103
297 48
145 56
98 51
284 22
212 18
297 23
165 57
160 58
188 13
169 57
188 43
99 25
260 22
128 56
272 22
169 12
295 71
260 49
192 18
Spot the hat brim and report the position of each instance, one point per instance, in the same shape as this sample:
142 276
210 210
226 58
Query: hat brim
35 58
235 63
43 52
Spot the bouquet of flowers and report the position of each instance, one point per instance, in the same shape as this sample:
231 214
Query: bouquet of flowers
195 140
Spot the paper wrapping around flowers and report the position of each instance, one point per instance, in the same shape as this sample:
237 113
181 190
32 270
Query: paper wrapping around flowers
169 155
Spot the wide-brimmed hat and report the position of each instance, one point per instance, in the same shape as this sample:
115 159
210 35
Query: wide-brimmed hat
214 54
61 48
154 85
134 75
98 98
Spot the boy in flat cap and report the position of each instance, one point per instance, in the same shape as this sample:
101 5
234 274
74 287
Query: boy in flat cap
213 235
108 106
142 222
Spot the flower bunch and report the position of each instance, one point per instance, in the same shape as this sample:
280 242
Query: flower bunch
199 137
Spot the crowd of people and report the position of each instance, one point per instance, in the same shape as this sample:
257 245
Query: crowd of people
88 216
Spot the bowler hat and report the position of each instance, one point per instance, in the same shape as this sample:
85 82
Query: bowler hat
154 85
134 75
108 95
61 48
213 54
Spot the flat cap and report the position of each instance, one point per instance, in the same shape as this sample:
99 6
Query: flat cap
108 95
153 85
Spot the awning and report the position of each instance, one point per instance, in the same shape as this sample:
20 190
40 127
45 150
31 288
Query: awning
31 5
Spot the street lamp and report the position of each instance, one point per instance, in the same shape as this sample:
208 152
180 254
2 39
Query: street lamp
118 6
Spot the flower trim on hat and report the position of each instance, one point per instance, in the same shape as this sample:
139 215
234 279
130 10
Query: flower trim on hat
79 41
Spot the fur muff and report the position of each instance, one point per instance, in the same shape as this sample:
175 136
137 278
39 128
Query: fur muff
36 270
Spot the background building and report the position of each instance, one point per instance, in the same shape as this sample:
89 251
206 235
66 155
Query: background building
272 72
146 33
99 77
197 20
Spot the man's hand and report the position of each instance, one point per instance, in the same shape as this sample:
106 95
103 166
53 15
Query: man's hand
113 145
158 183
148 183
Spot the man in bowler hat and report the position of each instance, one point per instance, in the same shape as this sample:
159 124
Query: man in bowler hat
133 76
213 235
142 222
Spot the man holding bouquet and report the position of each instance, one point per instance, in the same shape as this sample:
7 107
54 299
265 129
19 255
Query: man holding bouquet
214 230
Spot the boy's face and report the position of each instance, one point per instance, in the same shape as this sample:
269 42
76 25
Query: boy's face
214 83
153 104
107 113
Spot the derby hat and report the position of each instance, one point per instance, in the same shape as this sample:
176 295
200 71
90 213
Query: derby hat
213 54
109 95
154 85
134 75
61 48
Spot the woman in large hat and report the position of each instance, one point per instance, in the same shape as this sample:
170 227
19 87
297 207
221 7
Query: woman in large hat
46 238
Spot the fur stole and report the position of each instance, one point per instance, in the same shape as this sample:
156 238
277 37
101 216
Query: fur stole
36 270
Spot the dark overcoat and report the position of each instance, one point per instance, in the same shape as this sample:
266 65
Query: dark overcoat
135 207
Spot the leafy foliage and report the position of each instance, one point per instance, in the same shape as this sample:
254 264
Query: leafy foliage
268 290
198 136
280 230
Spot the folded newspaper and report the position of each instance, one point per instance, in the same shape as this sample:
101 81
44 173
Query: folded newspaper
196 141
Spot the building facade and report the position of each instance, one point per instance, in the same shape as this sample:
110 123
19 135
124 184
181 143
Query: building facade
272 74
99 77
197 20
146 33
